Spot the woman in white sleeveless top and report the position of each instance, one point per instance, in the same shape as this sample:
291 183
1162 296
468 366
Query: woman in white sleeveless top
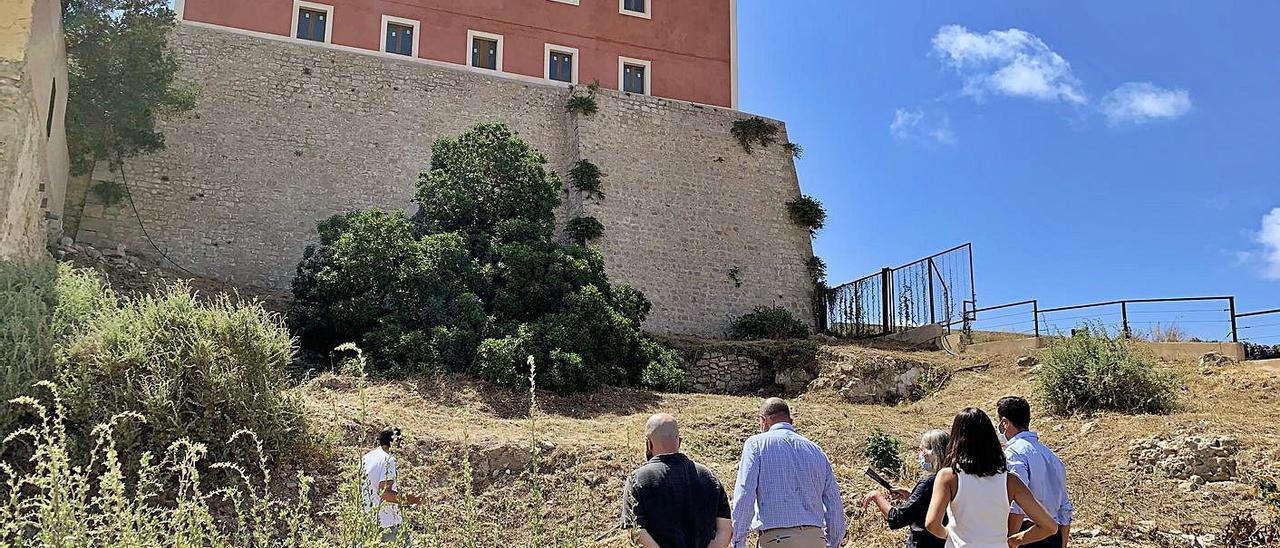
975 489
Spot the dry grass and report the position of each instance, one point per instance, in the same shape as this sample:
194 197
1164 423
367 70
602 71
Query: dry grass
597 440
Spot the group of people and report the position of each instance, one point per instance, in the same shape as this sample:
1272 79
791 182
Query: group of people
987 485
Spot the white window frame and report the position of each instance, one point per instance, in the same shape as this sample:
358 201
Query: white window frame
648 74
298 5
471 39
648 6
570 2
546 62
388 20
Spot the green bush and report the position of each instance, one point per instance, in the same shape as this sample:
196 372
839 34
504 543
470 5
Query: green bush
193 369
665 371
754 131
584 104
370 279
28 296
587 178
807 212
42 305
584 229
476 281
768 323
882 451
1094 370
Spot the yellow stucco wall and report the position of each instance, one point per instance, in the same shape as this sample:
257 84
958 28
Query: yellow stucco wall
15 28
33 146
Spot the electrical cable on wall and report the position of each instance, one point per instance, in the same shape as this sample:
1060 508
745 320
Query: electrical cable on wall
128 192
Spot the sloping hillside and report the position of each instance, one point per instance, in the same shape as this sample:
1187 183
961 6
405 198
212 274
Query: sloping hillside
588 443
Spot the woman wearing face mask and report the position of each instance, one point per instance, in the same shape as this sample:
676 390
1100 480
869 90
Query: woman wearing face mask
915 505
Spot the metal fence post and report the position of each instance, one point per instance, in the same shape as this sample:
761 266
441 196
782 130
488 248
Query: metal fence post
1035 309
1235 334
932 317
973 285
886 300
1124 318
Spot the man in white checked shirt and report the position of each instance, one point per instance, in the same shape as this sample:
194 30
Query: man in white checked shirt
786 488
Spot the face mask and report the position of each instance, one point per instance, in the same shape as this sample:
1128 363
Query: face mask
924 464
1000 432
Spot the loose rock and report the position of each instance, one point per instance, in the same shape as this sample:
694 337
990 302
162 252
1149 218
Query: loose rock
1195 459
1213 361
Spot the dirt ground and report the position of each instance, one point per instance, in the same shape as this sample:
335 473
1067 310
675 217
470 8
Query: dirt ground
588 443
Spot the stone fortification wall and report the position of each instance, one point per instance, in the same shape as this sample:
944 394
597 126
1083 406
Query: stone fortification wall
286 134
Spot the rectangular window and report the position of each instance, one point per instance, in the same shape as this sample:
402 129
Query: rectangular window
635 79
637 8
399 39
312 24
560 66
484 50
53 105
484 53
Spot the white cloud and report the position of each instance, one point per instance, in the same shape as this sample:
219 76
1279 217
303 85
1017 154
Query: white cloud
1269 237
916 126
1010 62
1142 102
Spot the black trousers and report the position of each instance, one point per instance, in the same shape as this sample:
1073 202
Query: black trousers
1054 541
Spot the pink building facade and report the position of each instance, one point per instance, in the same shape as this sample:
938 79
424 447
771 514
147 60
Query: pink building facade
676 49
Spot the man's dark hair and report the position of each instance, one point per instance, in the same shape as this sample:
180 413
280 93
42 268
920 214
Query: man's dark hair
388 435
1016 409
974 448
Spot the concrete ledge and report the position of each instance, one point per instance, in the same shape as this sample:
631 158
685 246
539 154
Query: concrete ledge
1012 347
1193 350
1268 366
1163 350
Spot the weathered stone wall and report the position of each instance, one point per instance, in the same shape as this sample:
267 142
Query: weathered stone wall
684 205
33 150
286 134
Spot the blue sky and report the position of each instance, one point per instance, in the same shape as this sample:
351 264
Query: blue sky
1090 150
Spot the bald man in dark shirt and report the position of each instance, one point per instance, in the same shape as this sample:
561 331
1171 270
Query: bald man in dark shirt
671 501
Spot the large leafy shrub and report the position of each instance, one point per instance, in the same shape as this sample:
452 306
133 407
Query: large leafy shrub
42 305
476 281
1094 370
193 369
27 299
370 278
190 368
768 322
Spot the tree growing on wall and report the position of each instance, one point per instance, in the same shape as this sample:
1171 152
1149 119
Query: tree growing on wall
122 78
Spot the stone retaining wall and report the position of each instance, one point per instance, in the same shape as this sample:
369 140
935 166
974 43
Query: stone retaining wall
286 134
720 373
